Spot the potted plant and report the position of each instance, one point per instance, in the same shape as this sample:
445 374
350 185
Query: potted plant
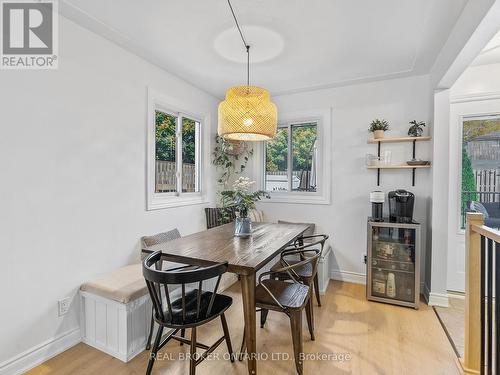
243 200
378 127
416 129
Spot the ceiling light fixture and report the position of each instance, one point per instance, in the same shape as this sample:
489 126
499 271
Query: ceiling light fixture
247 113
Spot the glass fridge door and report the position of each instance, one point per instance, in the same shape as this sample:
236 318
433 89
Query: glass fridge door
393 263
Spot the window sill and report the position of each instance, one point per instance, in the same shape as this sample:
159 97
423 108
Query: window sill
158 203
303 198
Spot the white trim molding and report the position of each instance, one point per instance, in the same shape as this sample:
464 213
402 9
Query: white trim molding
348 276
435 299
40 353
474 97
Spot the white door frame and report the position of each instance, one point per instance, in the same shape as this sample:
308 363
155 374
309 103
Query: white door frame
461 109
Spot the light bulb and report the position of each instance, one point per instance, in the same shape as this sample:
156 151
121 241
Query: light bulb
248 122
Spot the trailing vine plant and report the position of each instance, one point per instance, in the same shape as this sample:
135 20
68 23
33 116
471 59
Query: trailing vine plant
230 158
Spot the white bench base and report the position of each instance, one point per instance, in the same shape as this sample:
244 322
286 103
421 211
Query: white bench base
120 330
324 266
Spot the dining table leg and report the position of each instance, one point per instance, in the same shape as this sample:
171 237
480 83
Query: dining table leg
248 294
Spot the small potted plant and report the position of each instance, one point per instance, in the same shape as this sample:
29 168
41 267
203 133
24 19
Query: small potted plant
243 200
416 129
378 127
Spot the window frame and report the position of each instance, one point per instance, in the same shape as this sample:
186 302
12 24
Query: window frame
322 195
156 102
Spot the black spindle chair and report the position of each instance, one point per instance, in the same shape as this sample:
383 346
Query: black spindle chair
179 308
156 239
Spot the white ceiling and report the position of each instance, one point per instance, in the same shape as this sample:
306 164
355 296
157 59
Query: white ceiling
490 54
301 44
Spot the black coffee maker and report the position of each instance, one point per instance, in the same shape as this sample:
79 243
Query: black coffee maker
401 206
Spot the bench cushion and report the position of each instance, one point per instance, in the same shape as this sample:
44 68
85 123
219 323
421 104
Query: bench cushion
122 285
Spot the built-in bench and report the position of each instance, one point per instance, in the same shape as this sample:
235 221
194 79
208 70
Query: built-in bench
116 312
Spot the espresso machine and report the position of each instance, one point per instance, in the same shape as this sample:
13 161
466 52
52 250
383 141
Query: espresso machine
401 206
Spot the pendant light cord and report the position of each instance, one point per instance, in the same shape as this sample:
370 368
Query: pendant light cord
247 46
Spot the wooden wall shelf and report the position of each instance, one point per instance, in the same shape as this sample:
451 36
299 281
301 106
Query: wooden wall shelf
413 140
403 166
400 139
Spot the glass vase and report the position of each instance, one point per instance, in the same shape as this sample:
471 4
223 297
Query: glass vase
243 227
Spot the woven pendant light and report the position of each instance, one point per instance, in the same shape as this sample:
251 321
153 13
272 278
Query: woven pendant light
247 113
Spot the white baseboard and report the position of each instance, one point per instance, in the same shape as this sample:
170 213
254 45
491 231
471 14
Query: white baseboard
435 299
348 276
40 353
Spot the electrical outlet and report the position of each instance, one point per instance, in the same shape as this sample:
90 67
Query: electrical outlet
364 260
63 305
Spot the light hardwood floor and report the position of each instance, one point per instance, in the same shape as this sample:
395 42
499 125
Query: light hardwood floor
380 339
453 317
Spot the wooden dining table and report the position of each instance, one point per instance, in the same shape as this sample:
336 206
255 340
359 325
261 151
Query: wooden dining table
245 256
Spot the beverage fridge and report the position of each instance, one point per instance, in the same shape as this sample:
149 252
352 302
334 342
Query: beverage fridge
393 263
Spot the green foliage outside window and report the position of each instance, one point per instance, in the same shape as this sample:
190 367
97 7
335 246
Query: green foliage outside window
277 152
188 140
468 180
303 138
165 138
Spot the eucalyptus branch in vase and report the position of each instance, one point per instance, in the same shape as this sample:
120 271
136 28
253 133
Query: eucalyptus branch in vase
242 199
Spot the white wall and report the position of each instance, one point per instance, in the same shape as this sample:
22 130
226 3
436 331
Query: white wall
477 80
354 107
72 162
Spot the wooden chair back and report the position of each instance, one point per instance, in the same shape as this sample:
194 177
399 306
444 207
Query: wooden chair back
158 281
217 216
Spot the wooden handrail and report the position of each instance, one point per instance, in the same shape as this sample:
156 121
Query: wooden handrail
487 232
472 335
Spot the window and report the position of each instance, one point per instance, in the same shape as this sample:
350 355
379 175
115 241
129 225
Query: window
173 157
291 159
481 168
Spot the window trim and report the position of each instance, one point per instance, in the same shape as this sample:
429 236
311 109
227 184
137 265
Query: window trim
155 200
322 195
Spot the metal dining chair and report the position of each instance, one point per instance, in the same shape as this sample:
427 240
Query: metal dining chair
289 296
307 274
308 232
179 309
156 239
